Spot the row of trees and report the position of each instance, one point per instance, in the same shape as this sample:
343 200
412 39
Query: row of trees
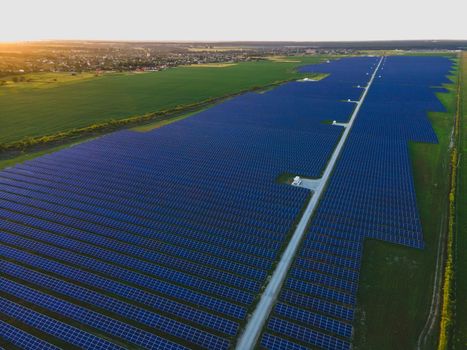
448 306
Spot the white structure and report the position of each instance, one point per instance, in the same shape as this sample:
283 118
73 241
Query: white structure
296 181
306 80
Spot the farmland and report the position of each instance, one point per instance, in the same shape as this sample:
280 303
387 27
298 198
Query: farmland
168 235
46 110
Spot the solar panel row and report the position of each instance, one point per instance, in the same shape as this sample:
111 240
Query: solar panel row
114 305
86 317
122 291
23 339
55 328
271 342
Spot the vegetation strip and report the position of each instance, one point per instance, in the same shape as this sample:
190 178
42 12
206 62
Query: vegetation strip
459 329
447 310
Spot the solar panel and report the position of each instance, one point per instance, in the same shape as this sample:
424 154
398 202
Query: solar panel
23 339
53 327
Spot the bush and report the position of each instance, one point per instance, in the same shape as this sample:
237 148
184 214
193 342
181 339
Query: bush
446 324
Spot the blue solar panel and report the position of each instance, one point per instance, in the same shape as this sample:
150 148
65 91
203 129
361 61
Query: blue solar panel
315 277
121 290
140 248
55 328
336 271
23 339
312 319
310 302
200 270
320 291
307 335
123 309
271 342
90 318
124 275
330 258
123 261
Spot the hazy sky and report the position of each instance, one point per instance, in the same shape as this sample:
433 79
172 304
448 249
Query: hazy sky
211 20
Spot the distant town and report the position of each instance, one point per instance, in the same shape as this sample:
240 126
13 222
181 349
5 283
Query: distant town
76 57
99 56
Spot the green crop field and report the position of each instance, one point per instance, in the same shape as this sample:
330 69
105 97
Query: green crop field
45 109
396 282
460 324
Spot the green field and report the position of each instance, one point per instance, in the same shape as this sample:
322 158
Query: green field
396 282
45 109
460 324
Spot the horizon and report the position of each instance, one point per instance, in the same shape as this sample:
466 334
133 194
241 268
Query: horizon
226 41
214 21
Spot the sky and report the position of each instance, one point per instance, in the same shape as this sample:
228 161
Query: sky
220 20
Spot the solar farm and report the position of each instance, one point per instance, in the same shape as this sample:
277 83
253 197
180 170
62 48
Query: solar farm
175 238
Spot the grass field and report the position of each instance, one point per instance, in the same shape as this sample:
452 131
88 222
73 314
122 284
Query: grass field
218 49
30 81
396 282
282 59
212 65
45 111
460 324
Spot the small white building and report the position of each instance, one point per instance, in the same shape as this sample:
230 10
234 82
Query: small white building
296 181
